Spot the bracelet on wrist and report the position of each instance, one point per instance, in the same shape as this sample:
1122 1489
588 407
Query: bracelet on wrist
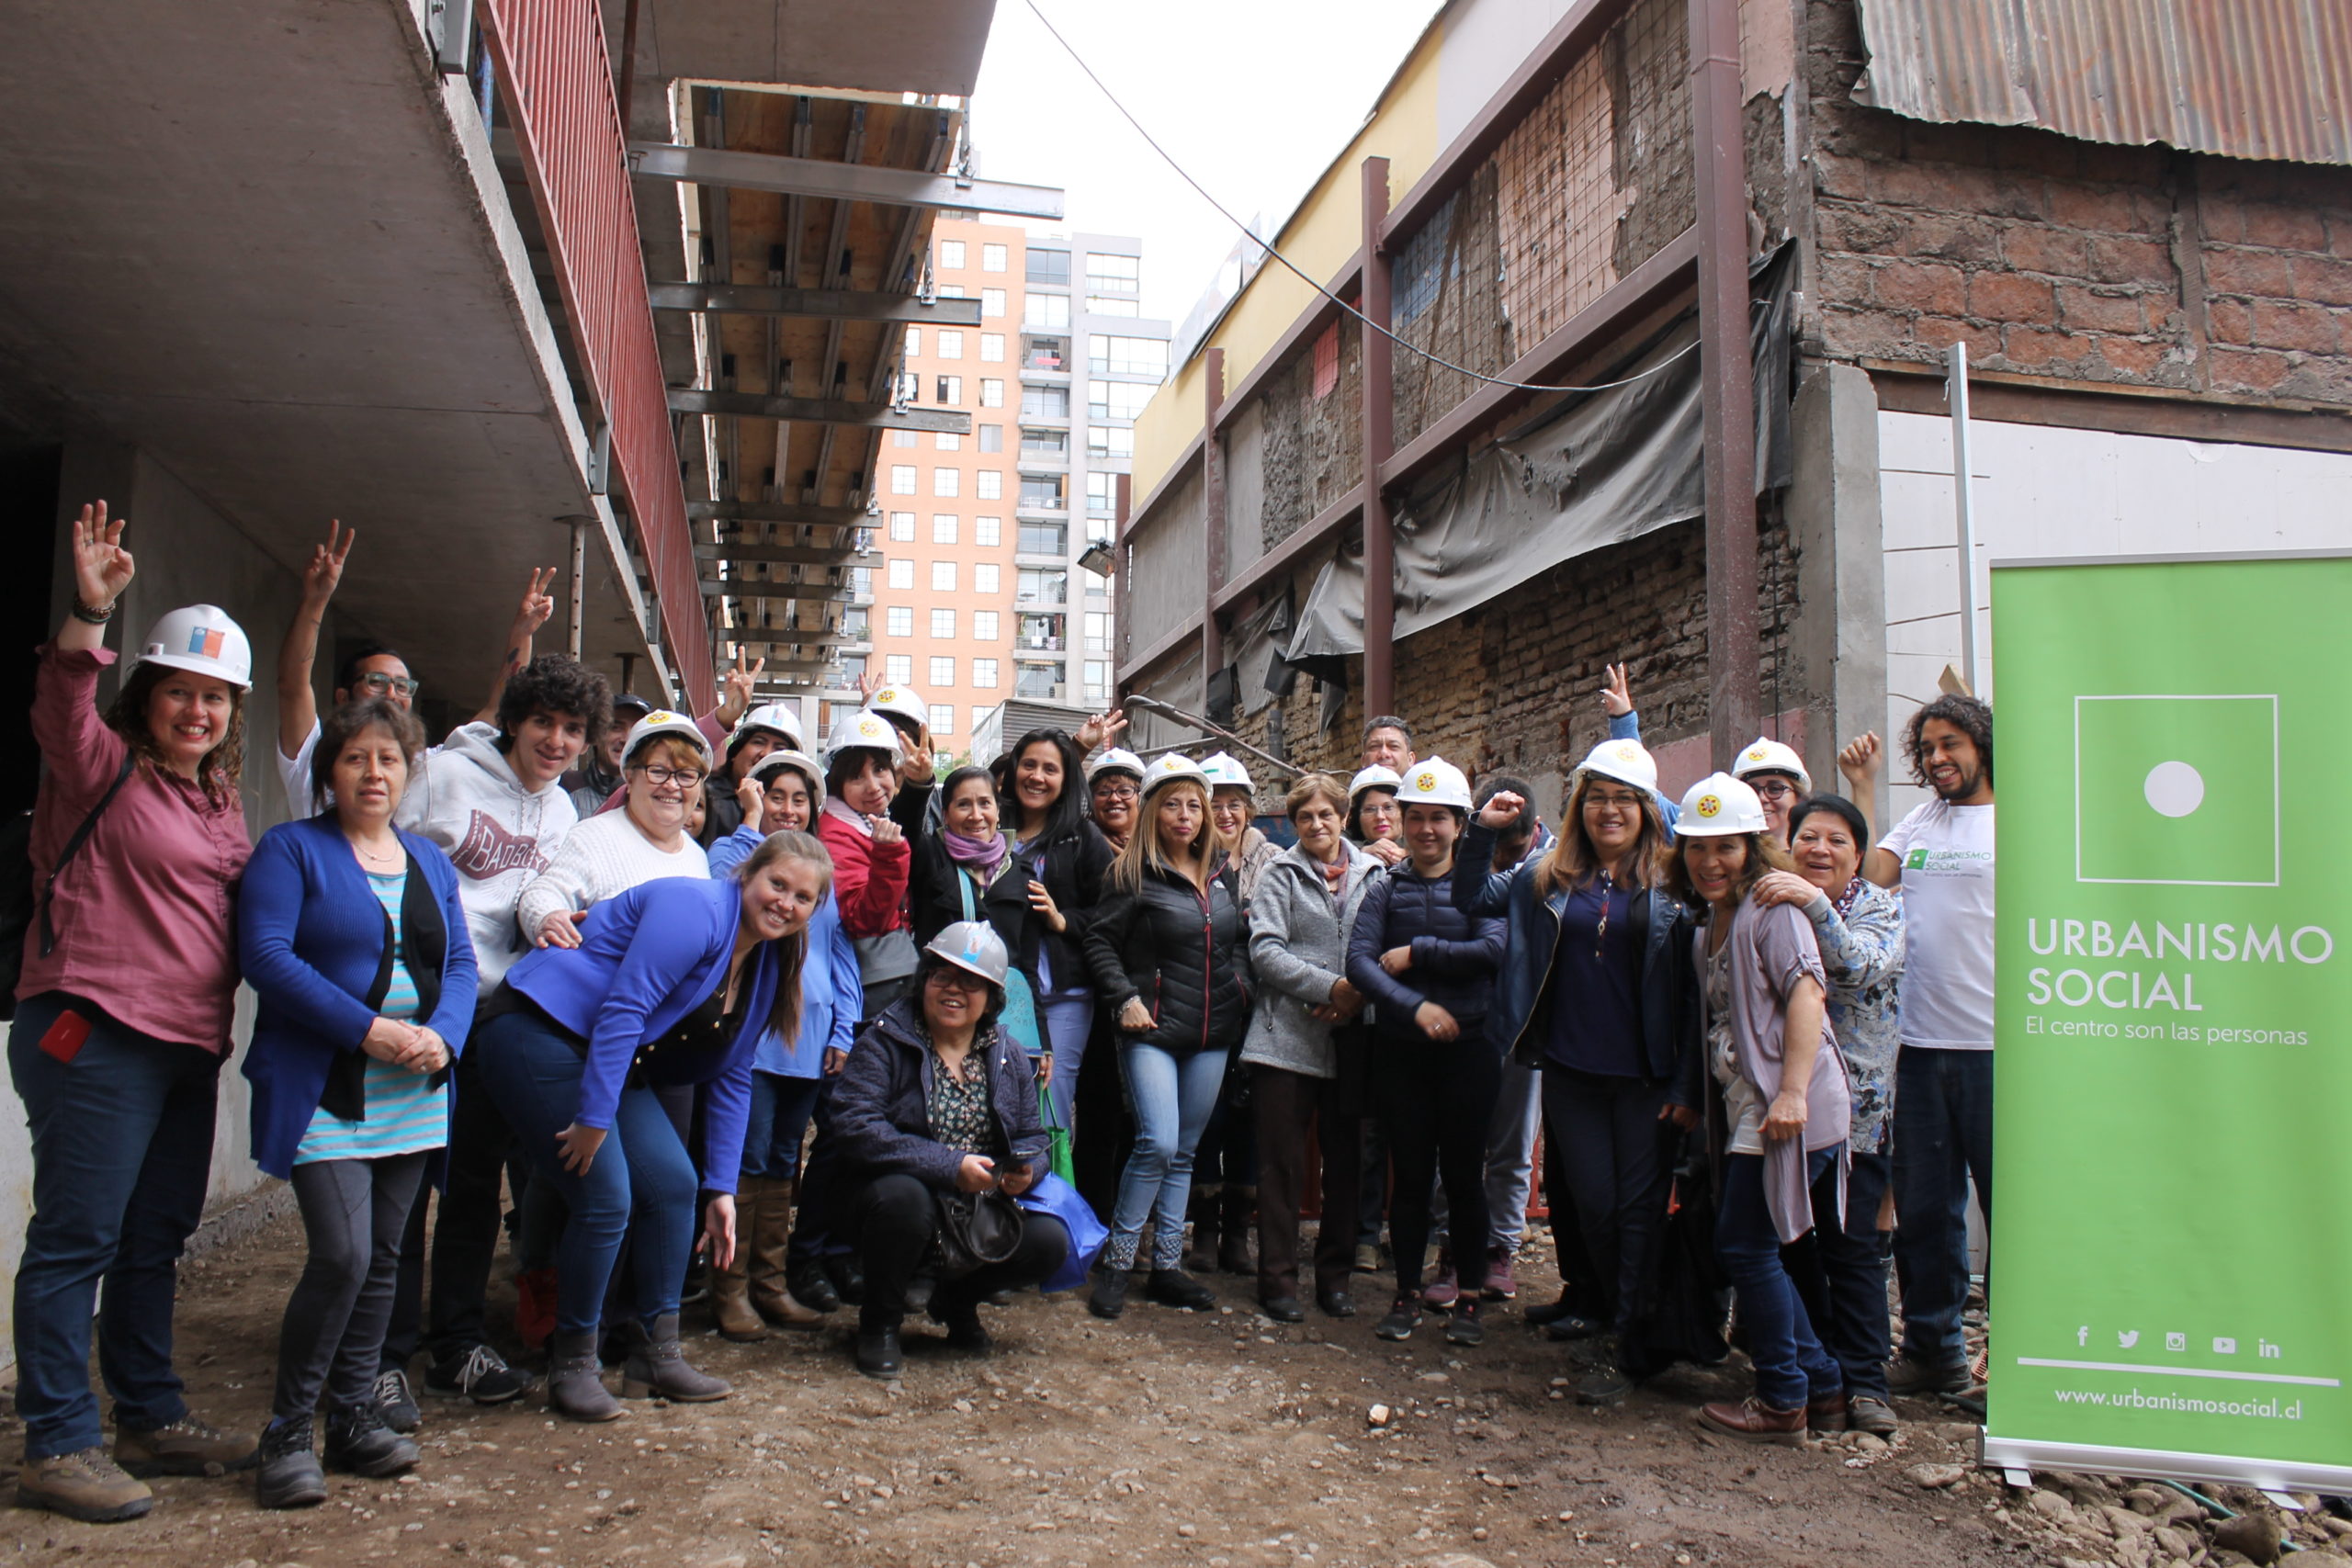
96 617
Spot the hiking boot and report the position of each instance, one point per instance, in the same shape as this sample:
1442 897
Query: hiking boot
186 1446
1109 1297
397 1400
358 1442
1826 1413
479 1373
878 1355
1500 1286
1336 1303
85 1485
1444 1288
848 1276
1404 1316
1282 1309
1367 1257
576 1388
1906 1377
1752 1420
811 1286
961 1315
291 1476
1464 1327
657 1366
1174 1288
1868 1413
1605 1382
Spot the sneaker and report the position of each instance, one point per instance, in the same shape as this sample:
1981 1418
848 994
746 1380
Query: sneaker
1571 1328
84 1485
1445 1289
1868 1413
397 1399
186 1446
1464 1327
291 1475
1752 1420
1404 1316
358 1442
1500 1286
479 1375
1906 1376
1174 1288
1368 1258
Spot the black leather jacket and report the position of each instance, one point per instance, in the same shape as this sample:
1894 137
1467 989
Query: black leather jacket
1182 952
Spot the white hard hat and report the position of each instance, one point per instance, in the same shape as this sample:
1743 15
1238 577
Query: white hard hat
1433 781
868 729
1771 757
903 701
800 763
783 718
203 639
1113 760
661 722
1168 769
1225 772
1627 761
974 947
1718 806
1373 777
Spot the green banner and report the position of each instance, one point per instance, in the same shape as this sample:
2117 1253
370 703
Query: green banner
2172 1232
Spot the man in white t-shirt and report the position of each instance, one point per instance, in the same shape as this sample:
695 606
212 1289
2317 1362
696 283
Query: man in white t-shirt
1941 857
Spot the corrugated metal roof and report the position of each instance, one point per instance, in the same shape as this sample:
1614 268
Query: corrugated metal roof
2242 78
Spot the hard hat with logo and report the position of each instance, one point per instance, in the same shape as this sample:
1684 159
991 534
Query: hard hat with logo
1376 776
1171 767
1225 772
202 639
1113 760
661 722
1763 756
777 718
901 702
974 947
866 729
1433 781
1627 761
774 762
1718 806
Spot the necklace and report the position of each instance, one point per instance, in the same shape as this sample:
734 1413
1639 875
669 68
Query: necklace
1600 931
380 857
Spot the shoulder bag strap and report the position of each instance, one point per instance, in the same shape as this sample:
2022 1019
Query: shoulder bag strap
73 847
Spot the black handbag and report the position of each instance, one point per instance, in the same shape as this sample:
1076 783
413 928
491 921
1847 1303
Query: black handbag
973 1230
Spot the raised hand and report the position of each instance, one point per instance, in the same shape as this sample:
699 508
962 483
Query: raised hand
753 797
1102 729
1616 700
916 766
1501 811
1858 762
737 686
323 574
537 603
868 683
886 831
102 567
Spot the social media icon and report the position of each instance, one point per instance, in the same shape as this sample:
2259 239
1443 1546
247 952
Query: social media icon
2175 1341
2176 789
2223 1346
2082 1336
2127 1337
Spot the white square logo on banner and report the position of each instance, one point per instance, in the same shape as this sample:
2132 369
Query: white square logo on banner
2177 790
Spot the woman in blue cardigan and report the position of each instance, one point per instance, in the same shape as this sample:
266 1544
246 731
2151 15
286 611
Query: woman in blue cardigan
351 935
674 982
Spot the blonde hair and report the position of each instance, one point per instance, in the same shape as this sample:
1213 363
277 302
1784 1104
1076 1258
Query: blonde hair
1572 862
1143 845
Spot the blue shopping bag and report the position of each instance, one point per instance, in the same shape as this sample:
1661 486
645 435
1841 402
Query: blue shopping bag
1053 1196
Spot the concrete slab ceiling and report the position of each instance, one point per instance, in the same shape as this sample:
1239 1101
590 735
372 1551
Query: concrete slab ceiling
891 46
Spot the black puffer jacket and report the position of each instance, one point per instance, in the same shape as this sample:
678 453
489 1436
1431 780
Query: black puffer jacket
1074 865
1183 953
1455 954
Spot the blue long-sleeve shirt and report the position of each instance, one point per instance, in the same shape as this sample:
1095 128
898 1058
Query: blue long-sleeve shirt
831 994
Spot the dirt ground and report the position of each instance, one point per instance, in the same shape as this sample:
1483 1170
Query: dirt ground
1217 1439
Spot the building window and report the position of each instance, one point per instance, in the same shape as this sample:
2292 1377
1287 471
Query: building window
951 257
1111 305
988 532
942 528
1043 539
951 343
1042 492
1110 273
946 441
988 484
983 630
861 581
1044 443
899 619
942 577
1043 588
1036 681
945 481
992 258
1098 681
991 438
1126 356
858 625
943 673
950 291
1110 441
1326 360
1096 587
902 478
914 341
943 718
902 438
1097 632
1049 267
980 715
1117 399
993 302
902 527
943 623
852 670
1045 402
986 578
902 572
1050 311
1101 490
909 387
992 347
950 390
991 393
898 669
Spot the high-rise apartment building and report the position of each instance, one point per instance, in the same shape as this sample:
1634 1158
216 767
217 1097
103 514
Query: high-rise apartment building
975 593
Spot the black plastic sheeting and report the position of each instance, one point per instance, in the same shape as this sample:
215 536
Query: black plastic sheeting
1597 469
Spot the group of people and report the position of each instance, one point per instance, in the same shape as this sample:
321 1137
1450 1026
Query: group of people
799 1033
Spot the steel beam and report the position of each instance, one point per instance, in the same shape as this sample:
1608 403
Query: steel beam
822 304
816 410
1213 519
780 554
760 588
1379 441
840 182
778 512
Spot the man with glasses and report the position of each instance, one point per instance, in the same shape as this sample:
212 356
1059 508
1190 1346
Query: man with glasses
1776 775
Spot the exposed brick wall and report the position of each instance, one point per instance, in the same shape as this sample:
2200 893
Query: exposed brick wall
2072 259
1313 446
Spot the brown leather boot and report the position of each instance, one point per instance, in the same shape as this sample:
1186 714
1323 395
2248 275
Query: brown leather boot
730 1288
1753 1421
770 1236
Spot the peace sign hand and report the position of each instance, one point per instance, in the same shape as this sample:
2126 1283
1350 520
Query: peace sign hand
738 685
536 604
102 567
1616 699
324 573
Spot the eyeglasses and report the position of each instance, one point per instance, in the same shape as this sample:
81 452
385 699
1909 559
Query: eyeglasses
1774 789
954 979
685 778
381 684
1118 792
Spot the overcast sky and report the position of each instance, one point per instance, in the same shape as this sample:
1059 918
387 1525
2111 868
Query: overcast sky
1254 98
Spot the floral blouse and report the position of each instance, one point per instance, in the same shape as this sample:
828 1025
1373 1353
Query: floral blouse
1860 933
962 1114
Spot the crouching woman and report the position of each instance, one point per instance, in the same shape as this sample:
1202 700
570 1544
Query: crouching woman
934 1101
674 982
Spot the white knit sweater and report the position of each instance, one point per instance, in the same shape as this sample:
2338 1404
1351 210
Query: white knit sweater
604 856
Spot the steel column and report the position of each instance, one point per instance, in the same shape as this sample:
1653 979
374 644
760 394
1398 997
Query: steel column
1734 707
1379 440
1212 519
1123 504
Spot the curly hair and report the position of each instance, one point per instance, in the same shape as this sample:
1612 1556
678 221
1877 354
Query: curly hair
356 718
1971 715
558 683
221 771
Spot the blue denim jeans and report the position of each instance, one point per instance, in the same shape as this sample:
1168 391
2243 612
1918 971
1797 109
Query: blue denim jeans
1841 1273
1791 1365
778 1123
641 1184
1172 1096
122 1150
1943 1137
1068 1020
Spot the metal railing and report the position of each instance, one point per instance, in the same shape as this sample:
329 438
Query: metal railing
557 81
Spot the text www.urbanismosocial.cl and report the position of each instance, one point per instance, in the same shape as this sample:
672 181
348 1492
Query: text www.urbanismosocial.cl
2264 1409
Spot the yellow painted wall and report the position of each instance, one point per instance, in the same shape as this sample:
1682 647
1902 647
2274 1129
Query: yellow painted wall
1319 236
